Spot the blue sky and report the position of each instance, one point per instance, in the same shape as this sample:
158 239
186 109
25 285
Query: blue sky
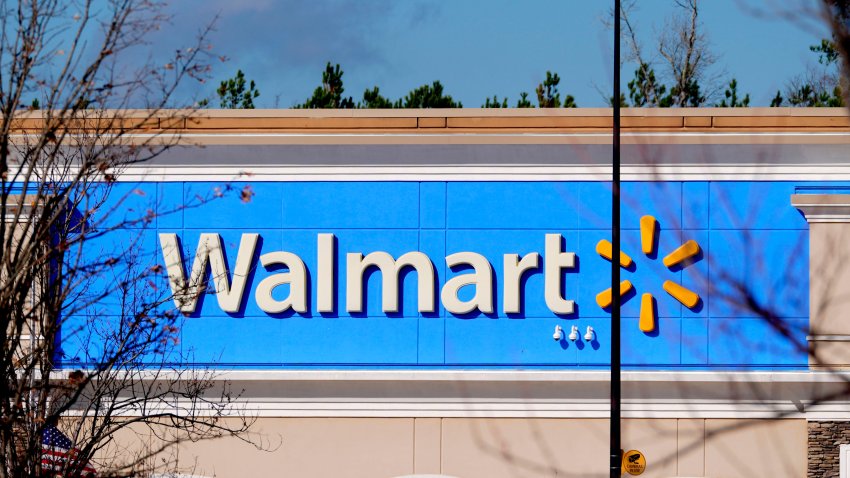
477 48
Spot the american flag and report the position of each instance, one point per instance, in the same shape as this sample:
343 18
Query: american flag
56 452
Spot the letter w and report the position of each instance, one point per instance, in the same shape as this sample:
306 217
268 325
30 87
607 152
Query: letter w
210 251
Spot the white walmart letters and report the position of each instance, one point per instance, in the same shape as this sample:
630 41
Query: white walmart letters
230 289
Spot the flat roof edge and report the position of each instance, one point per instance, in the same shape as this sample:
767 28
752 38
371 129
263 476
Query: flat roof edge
465 120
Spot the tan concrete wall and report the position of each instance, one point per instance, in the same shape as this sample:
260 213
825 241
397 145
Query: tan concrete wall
129 450
757 448
501 447
309 447
522 447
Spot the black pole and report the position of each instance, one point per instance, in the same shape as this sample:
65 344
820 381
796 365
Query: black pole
616 449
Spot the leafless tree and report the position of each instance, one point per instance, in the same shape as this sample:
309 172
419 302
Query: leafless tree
684 47
683 52
69 76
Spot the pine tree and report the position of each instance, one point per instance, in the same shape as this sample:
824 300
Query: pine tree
373 99
547 92
645 90
687 94
494 103
827 52
731 97
329 94
548 95
523 101
428 96
237 93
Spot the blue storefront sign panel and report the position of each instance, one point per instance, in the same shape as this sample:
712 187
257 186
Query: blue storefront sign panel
407 274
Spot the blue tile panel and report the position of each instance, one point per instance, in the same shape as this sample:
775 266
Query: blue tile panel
754 263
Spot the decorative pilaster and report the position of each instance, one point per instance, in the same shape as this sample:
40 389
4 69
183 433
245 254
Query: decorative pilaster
828 216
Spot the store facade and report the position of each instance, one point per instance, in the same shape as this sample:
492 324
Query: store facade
426 292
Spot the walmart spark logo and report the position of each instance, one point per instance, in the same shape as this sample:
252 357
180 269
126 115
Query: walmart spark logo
680 256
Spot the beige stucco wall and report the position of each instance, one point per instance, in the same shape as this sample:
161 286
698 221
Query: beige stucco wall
493 448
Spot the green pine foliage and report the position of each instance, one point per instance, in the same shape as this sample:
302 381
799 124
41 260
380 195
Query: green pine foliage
237 93
827 52
548 95
777 100
731 99
523 101
494 102
645 90
372 99
547 92
691 97
329 93
428 96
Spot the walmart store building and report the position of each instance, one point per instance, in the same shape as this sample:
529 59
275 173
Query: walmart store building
424 292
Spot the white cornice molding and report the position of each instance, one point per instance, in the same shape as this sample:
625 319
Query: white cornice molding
222 157
518 172
816 208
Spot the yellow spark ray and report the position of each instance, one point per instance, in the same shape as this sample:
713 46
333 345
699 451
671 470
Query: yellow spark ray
605 249
647 313
688 298
604 298
647 234
682 253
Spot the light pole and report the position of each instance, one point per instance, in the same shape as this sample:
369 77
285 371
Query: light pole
615 445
